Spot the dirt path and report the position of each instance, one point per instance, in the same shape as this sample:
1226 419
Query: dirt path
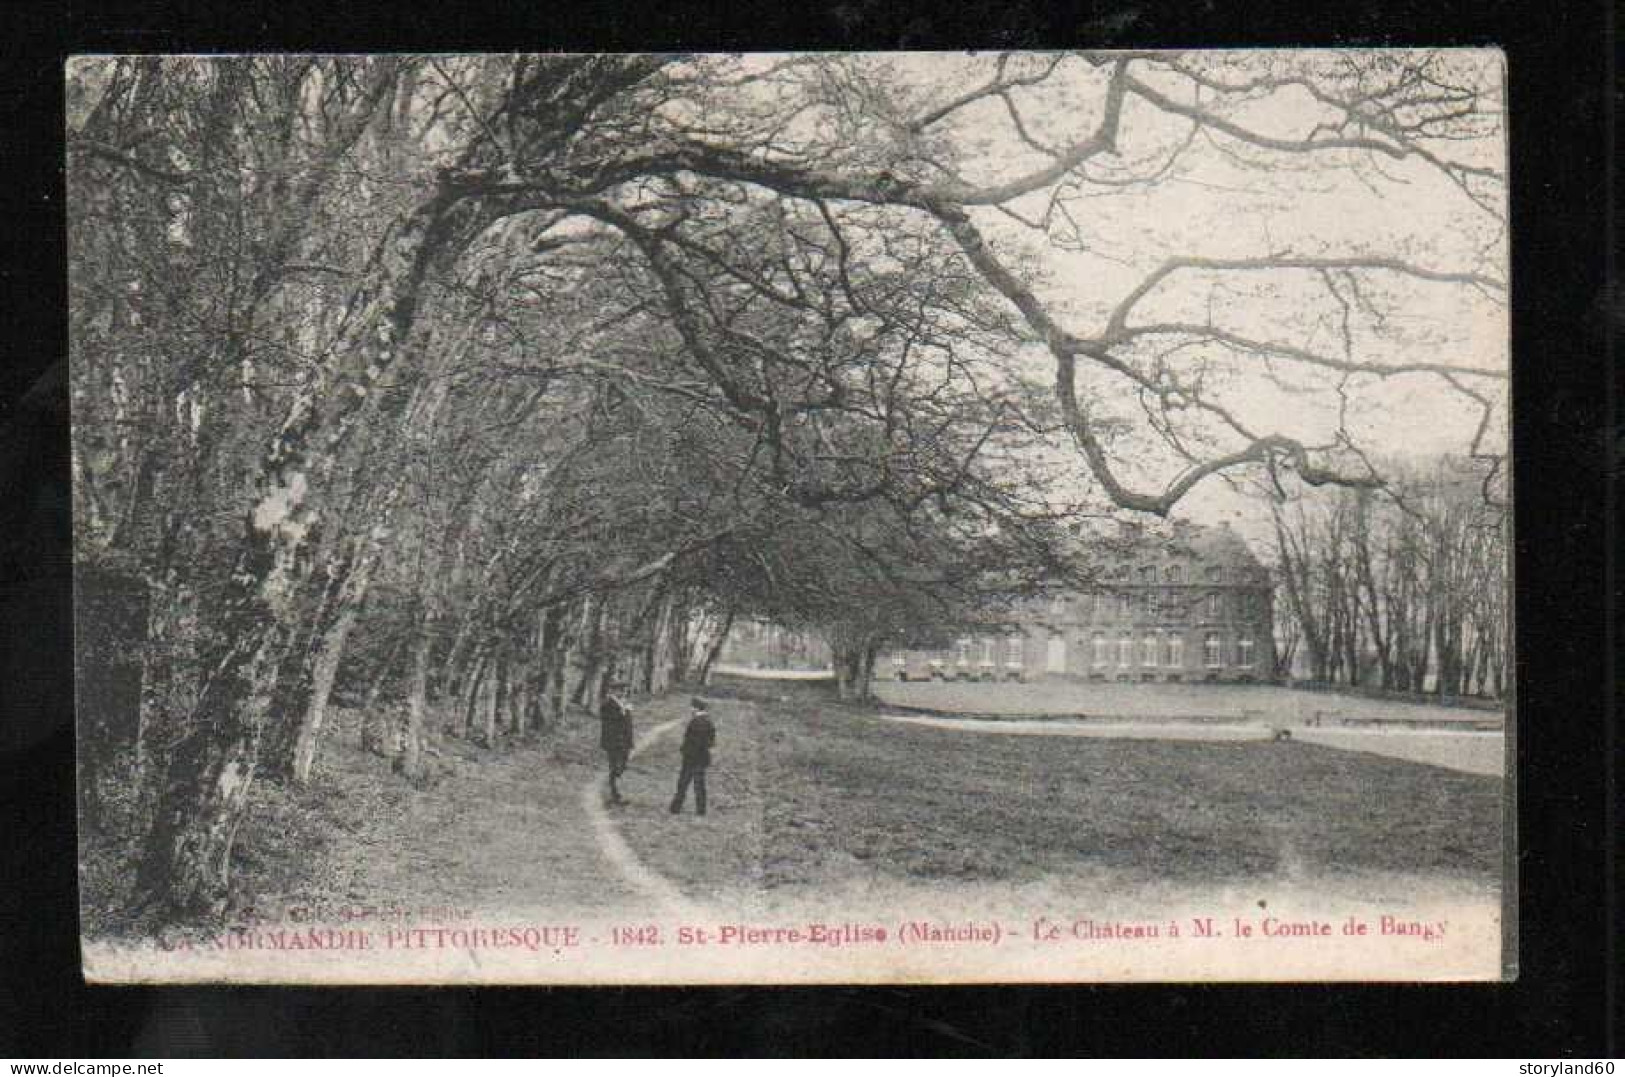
716 860
619 855
506 832
1067 727
1057 699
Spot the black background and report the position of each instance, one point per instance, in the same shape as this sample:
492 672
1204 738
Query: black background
1566 315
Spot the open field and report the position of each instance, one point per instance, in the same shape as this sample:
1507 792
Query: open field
1286 706
1468 751
839 798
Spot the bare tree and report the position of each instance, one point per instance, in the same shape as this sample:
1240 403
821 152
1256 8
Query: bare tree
1409 581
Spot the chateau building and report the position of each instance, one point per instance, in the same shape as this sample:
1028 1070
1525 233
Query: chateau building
1194 605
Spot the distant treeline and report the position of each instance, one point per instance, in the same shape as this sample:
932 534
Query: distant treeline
1402 588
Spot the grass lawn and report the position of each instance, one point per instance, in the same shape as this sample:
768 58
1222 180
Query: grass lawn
808 793
813 802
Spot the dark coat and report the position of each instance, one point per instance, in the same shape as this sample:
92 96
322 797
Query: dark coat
614 725
698 738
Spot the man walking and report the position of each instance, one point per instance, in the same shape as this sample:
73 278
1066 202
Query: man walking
698 738
615 737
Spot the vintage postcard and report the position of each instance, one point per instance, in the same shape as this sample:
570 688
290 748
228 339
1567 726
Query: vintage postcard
793 518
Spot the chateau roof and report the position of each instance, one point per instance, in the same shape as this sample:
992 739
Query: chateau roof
1195 546
1213 545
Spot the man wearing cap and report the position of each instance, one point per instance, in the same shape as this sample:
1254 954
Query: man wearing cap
698 738
615 737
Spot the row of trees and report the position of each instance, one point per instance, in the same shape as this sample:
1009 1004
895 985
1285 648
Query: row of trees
1403 588
476 381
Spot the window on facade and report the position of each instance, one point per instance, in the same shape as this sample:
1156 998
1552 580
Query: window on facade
1213 650
1125 650
1215 604
1213 572
962 651
988 651
1244 651
1148 650
1175 574
1103 649
1148 573
1125 607
1012 651
1173 652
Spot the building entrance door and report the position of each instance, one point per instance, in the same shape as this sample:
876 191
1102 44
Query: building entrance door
1056 656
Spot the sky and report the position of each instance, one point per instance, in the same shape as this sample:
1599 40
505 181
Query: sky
1210 205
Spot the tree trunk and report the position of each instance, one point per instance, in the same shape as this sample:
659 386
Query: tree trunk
550 679
186 865
380 678
169 612
186 861
647 661
417 706
471 693
589 654
497 700
850 682
866 674
715 649
457 665
676 642
520 674
330 653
